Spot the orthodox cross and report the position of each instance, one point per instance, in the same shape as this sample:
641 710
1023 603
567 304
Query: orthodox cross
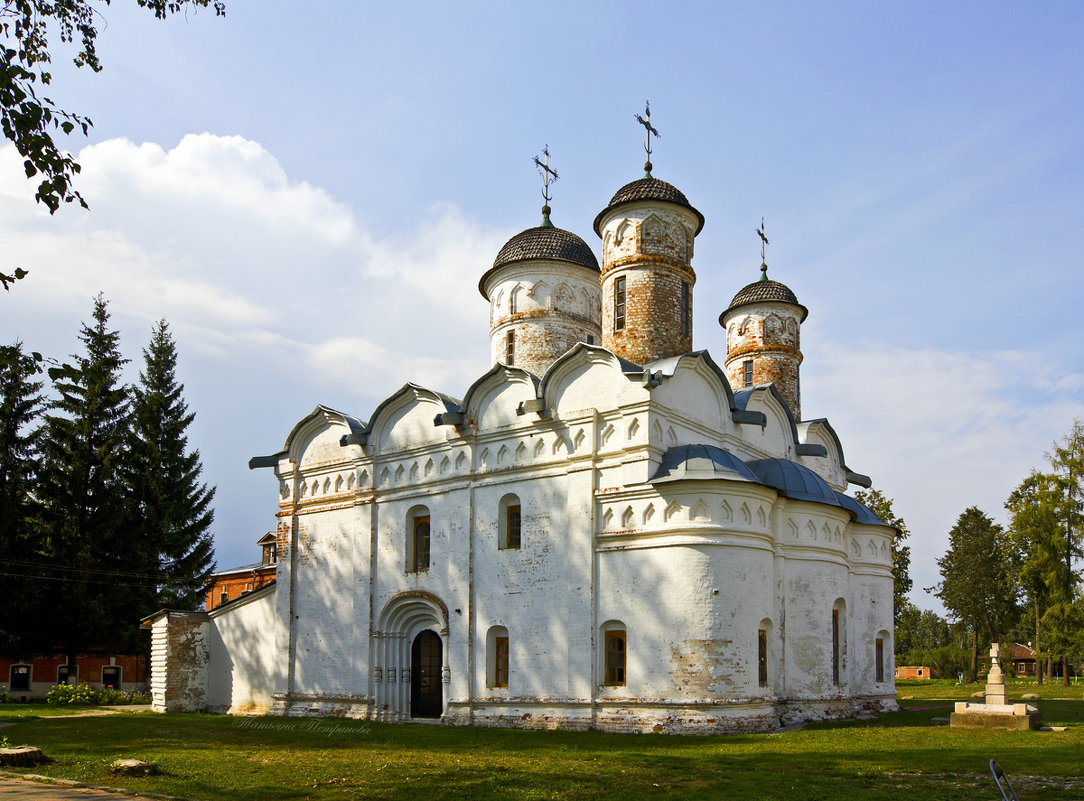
763 243
648 130
549 176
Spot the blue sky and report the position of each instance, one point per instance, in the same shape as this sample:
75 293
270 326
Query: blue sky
311 196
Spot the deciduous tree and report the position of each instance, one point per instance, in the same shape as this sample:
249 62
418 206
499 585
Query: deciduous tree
29 118
901 554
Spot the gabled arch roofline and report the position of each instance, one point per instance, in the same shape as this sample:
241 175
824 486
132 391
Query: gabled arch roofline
822 422
581 353
742 397
449 403
355 425
498 369
669 366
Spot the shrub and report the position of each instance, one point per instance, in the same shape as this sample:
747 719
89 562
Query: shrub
88 695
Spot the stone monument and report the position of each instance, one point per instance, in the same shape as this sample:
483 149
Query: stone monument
997 712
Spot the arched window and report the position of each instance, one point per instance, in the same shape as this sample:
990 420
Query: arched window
614 654
497 651
511 522
881 646
764 637
839 640
417 536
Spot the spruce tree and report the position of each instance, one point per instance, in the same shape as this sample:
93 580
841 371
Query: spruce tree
21 404
172 512
83 497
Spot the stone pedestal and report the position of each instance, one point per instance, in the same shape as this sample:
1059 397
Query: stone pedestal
995 716
996 693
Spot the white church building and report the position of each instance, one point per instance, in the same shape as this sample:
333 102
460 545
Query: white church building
609 531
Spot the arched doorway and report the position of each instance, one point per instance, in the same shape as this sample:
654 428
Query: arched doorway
426 687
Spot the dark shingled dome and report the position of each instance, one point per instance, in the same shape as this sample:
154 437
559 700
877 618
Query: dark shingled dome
542 242
649 189
765 290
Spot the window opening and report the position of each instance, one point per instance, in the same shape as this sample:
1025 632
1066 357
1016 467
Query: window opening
615 658
880 658
686 309
224 597
835 646
20 677
111 677
510 348
747 373
64 672
762 658
421 544
500 669
512 523
619 303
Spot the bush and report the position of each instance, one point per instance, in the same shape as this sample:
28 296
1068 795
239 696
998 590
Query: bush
88 695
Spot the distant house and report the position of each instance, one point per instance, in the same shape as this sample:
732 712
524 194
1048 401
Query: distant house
914 672
1019 661
33 678
229 585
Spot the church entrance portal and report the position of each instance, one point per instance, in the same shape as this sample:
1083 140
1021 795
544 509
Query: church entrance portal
426 688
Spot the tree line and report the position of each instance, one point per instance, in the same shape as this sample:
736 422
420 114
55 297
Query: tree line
103 516
1014 584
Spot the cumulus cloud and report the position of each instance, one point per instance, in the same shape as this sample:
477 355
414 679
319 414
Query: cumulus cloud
940 431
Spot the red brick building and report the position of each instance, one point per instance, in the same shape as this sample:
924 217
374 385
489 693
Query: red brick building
33 678
229 585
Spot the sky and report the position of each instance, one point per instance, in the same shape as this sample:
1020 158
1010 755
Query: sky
309 196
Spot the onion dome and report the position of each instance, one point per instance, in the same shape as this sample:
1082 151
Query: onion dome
765 290
545 241
649 189
793 480
701 462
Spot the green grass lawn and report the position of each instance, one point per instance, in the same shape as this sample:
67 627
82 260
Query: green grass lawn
895 756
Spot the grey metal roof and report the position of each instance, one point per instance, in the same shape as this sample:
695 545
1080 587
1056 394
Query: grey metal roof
542 242
764 289
793 480
701 462
862 513
649 188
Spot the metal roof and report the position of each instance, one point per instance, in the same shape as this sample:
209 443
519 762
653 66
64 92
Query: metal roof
793 480
649 188
765 290
701 463
862 513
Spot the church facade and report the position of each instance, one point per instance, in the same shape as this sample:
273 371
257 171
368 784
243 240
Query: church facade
610 530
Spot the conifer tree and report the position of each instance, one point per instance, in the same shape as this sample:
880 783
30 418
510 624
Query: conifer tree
83 497
171 508
901 554
21 403
977 586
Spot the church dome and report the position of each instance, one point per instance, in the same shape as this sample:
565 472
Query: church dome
701 462
651 189
765 290
542 242
793 480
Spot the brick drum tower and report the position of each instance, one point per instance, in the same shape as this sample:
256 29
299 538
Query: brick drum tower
647 234
543 294
763 338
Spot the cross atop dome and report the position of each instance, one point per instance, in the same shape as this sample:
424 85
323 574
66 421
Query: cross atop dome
549 176
648 130
763 244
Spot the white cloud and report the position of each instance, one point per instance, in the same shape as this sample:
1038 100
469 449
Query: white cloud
940 431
